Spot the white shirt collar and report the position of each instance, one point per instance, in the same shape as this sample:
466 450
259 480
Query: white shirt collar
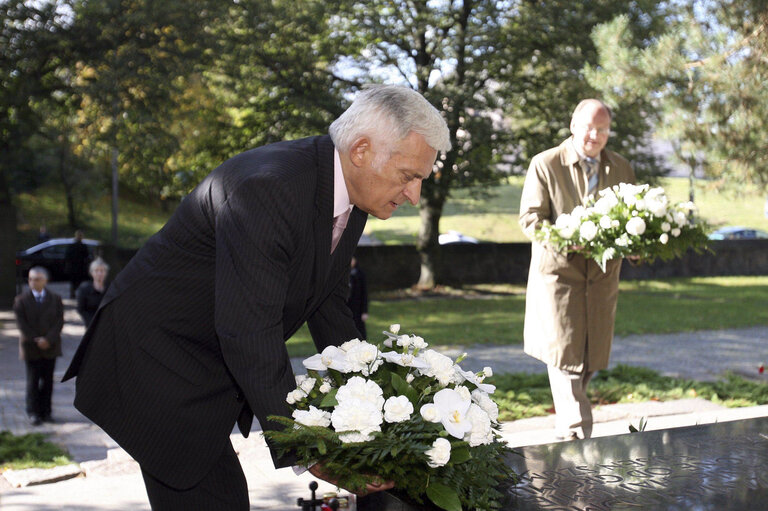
38 294
341 202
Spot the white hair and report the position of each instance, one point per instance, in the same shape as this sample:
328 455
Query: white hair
389 113
98 263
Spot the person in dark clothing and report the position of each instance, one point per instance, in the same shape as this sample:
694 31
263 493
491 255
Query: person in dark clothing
76 262
190 337
40 318
43 235
358 297
90 292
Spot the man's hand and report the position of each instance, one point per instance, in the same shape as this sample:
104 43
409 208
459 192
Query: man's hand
318 471
42 343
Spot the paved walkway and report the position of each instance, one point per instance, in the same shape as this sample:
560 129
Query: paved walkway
110 480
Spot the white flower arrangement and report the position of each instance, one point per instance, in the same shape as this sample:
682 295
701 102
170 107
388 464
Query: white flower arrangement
402 412
627 220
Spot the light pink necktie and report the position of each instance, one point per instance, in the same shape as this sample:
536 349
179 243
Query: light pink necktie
339 224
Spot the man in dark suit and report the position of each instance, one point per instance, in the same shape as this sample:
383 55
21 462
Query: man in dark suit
40 318
190 337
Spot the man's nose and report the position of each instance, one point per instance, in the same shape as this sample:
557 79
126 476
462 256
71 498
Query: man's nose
412 191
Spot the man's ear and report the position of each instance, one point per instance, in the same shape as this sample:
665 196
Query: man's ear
360 151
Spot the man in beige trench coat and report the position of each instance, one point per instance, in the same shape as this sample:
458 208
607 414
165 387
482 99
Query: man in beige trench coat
570 302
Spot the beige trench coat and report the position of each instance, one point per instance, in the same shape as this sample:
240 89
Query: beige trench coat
570 303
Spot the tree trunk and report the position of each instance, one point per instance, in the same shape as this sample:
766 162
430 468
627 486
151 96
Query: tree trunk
430 211
8 239
69 186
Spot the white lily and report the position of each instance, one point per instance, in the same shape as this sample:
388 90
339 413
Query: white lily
452 410
404 359
476 380
331 358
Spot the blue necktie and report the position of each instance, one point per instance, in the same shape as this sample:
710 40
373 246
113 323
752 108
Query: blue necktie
591 165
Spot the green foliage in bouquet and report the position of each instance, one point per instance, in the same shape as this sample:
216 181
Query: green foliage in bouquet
398 411
627 220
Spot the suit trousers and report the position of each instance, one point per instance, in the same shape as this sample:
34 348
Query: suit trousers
224 488
40 386
573 411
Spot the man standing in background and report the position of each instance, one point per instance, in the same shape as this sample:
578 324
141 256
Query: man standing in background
40 318
570 302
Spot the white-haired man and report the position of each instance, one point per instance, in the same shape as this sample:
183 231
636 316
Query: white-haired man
190 337
40 318
570 302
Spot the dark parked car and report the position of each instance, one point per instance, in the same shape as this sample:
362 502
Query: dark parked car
738 233
50 255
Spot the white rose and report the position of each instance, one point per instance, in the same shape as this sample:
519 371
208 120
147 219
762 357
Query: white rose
312 417
360 355
360 389
404 341
409 378
397 409
606 222
307 385
665 226
295 396
418 342
622 241
439 367
430 413
675 232
636 226
481 432
640 204
394 328
485 402
588 230
664 238
579 212
487 371
680 218
440 453
350 344
356 420
325 387
615 223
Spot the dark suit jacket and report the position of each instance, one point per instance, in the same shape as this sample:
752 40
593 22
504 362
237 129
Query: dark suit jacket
192 332
39 320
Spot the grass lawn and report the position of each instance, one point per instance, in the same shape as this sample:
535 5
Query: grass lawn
30 450
527 395
496 315
492 219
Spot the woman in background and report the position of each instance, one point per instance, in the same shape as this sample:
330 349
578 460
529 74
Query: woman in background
90 293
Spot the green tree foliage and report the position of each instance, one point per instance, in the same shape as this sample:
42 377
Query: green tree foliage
271 77
703 82
133 58
548 45
31 54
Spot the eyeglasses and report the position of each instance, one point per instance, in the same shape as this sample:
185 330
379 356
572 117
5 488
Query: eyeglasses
598 131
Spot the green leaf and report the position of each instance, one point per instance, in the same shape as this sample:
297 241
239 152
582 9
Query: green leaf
329 399
460 455
444 497
402 388
321 447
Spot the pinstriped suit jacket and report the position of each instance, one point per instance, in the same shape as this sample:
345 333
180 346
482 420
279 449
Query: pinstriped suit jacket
191 334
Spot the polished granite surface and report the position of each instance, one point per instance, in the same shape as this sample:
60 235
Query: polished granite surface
714 467
711 467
